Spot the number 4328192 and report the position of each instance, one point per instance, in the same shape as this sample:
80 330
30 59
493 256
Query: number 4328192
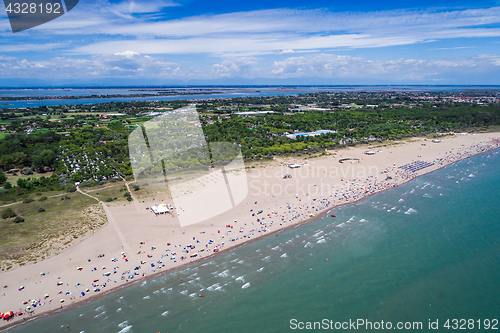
33 8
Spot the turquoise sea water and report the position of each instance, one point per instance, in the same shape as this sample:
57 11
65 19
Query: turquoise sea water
426 250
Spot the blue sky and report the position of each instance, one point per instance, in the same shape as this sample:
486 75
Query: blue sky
259 42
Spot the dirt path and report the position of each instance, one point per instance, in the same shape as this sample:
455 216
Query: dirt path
128 188
111 220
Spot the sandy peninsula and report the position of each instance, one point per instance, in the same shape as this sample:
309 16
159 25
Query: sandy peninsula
136 243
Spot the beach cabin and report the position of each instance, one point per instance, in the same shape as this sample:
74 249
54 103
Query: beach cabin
160 209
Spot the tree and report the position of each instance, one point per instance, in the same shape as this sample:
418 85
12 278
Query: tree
2 178
8 212
6 162
71 188
19 159
19 219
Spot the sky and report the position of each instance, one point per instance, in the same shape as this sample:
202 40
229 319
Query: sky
162 42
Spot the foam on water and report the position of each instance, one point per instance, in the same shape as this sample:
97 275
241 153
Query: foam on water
125 329
123 324
410 211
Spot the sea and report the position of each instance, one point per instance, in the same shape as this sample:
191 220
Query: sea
221 92
425 252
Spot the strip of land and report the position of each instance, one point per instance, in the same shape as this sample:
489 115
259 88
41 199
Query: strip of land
135 243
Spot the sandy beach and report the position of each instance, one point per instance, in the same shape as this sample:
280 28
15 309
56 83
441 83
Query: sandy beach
137 244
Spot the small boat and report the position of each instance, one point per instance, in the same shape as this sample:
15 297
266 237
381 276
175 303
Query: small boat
332 215
201 295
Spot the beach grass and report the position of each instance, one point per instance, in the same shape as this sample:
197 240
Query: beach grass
108 190
46 233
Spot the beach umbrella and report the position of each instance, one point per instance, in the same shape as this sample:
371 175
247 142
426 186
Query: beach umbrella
61 300
6 316
20 313
1 315
83 294
59 283
46 295
87 290
42 274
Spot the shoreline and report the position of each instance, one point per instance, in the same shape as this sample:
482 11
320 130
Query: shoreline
320 214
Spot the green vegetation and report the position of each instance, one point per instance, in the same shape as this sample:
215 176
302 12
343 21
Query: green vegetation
48 151
18 219
8 212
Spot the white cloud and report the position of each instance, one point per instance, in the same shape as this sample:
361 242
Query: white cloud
308 66
336 66
289 51
275 31
96 66
128 8
127 54
22 47
237 67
